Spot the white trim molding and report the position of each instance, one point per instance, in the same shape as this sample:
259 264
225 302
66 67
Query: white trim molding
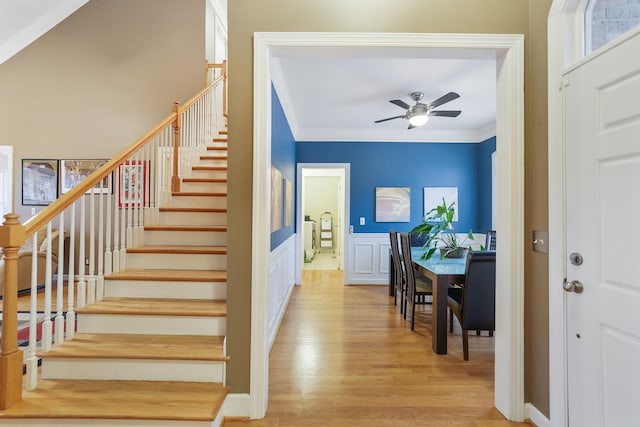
509 51
535 416
564 48
369 260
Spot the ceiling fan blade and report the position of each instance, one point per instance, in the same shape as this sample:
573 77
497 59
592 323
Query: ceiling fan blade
411 126
445 113
400 103
390 118
443 99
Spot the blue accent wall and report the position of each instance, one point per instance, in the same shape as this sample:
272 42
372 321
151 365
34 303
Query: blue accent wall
401 164
390 164
485 150
283 157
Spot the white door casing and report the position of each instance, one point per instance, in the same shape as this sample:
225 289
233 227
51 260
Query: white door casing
602 125
509 52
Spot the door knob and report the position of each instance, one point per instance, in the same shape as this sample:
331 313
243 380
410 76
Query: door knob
573 286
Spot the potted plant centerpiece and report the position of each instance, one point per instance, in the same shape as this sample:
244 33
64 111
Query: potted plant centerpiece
437 226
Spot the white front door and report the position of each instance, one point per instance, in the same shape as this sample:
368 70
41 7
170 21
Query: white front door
602 129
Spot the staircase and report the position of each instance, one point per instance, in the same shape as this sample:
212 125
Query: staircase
152 352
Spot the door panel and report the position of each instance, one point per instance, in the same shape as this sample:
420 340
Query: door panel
602 130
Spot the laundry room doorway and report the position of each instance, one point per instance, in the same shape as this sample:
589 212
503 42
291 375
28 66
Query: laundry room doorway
322 216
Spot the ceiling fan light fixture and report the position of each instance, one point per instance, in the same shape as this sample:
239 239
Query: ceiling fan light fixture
418 116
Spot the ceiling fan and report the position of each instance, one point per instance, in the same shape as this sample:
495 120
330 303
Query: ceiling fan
419 114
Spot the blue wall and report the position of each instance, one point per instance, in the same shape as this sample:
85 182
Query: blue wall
485 149
400 164
283 153
391 164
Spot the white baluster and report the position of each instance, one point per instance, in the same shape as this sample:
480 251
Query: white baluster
71 314
82 284
130 174
46 324
116 223
59 321
30 358
108 256
100 231
91 282
123 222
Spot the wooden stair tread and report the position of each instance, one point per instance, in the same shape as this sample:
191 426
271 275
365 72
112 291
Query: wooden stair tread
199 210
223 132
140 400
209 168
218 180
159 227
177 249
212 157
198 194
216 148
220 139
170 275
157 306
132 346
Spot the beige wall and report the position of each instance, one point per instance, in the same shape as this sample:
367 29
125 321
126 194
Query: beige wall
426 16
100 79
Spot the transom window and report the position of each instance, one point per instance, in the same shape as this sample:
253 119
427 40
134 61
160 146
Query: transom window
605 20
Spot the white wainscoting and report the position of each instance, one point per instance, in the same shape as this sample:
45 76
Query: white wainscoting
281 283
369 259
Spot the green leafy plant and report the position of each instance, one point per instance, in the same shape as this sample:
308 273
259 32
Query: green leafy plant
437 226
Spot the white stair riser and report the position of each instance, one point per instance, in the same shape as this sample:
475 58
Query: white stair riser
193 218
138 261
218 161
197 238
204 187
132 369
140 324
216 174
211 202
161 289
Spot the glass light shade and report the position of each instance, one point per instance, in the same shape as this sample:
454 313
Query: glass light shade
419 120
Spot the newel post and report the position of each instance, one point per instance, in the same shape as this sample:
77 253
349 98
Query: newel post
12 237
175 178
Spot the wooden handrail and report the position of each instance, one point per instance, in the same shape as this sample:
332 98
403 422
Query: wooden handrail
51 211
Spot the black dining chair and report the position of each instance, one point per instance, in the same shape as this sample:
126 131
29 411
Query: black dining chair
397 280
490 243
473 303
417 290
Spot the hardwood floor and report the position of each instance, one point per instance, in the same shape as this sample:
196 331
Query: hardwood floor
345 357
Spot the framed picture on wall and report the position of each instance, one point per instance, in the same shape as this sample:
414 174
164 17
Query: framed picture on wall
133 183
276 199
393 204
433 197
39 181
288 202
74 171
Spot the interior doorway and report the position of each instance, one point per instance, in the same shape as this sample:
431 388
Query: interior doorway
6 180
323 215
509 52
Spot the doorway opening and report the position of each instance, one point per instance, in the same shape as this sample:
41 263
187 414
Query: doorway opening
6 180
509 53
322 198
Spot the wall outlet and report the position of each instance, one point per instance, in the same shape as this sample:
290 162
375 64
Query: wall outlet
361 220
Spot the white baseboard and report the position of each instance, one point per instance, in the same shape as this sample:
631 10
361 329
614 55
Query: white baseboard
237 405
535 416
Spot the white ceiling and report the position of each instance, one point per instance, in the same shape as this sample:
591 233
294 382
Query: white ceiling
335 94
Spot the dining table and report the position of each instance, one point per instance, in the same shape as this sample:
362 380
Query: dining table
442 272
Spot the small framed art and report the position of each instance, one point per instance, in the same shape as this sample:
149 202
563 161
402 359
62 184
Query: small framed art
39 181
